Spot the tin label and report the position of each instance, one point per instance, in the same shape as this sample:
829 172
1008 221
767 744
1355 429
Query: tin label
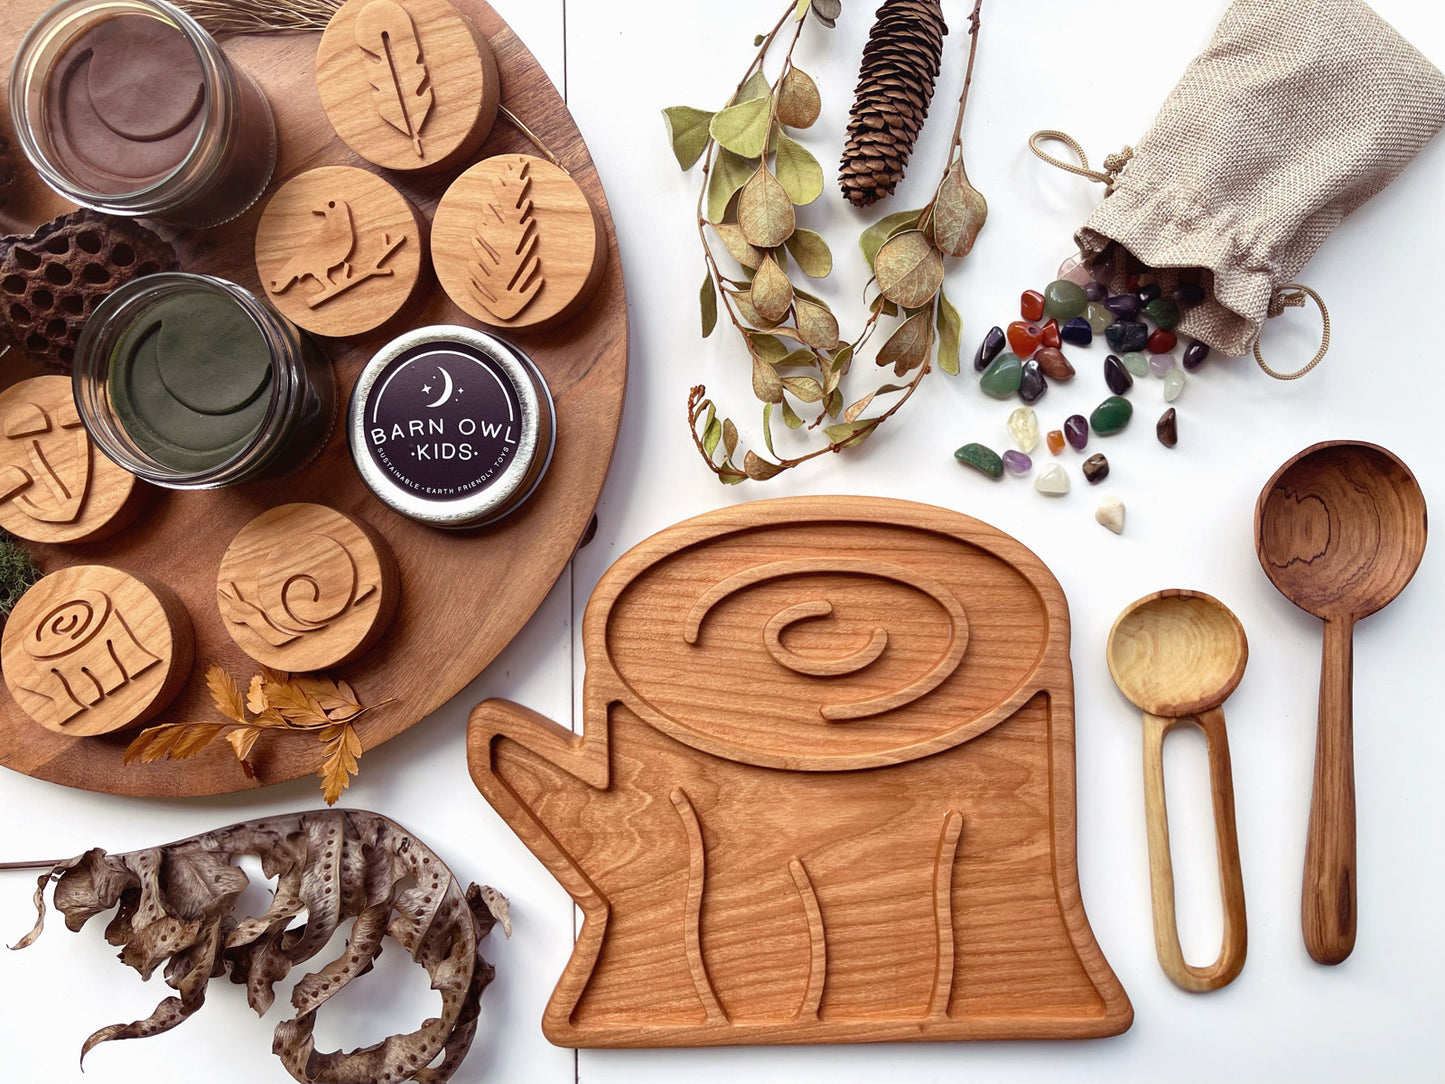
443 421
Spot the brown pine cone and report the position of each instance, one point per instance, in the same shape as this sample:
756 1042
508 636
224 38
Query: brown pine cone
52 280
895 85
8 168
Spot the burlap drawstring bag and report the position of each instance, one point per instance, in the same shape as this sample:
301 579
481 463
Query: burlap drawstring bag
1297 113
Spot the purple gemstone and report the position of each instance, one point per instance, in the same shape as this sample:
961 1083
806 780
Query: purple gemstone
1195 355
1160 364
1077 331
1095 291
1016 462
1124 306
1076 431
1148 292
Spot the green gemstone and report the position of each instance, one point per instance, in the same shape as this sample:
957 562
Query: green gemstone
1063 300
1099 317
1111 415
1163 312
1137 364
1003 376
982 459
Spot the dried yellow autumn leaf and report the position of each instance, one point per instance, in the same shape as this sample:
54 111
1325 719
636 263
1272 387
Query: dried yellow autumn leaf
225 694
798 100
908 347
817 326
765 211
909 269
731 235
772 293
766 384
959 212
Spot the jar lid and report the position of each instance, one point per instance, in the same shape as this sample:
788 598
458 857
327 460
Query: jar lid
451 427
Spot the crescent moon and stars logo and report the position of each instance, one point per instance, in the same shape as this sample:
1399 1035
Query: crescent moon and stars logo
443 421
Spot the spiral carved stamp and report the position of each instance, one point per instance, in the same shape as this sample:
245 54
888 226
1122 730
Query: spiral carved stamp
304 587
92 649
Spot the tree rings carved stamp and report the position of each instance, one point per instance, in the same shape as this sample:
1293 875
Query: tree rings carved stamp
339 251
54 485
407 84
91 649
304 587
517 244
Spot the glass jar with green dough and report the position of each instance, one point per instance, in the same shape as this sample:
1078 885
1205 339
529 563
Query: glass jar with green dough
192 382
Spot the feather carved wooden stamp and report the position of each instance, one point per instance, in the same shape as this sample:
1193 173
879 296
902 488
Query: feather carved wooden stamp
54 485
304 587
517 244
824 789
91 649
407 84
339 251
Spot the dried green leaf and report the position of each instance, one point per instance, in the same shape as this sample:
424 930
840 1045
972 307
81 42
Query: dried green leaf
790 418
772 293
827 10
959 212
759 469
708 299
950 334
768 428
851 434
811 252
804 387
798 100
730 477
757 86
843 359
766 384
817 326
731 235
768 347
712 433
765 211
687 128
908 347
797 359
730 437
726 176
798 171
881 304
743 128
801 10
874 236
909 269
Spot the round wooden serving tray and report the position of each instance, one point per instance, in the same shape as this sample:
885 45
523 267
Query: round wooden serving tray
463 596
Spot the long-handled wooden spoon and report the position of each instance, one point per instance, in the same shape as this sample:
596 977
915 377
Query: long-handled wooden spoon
1339 529
1178 655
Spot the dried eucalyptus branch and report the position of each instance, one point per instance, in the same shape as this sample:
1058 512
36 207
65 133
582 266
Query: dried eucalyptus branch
260 16
175 909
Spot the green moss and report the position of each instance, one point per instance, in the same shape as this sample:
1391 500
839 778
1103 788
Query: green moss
18 572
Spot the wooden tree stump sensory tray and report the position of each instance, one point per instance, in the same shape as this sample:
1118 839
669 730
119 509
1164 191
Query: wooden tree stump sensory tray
824 789
440 637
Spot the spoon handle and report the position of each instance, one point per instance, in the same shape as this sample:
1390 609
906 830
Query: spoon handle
1328 904
1161 866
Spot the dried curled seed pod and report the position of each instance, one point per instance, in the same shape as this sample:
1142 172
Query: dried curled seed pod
52 280
175 908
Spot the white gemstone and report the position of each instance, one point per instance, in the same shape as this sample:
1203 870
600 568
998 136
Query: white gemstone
1111 514
1053 480
1173 384
1023 425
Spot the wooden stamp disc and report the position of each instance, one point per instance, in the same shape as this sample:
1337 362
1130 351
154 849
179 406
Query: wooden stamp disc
407 84
516 243
304 587
339 250
91 649
54 485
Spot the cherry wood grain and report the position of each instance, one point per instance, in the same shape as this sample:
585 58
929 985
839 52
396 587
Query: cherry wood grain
824 789
463 596
1339 530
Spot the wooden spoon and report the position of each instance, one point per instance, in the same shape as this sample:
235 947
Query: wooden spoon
1177 655
1339 529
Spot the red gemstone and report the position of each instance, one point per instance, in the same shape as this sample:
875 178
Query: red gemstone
1161 342
1031 305
1024 337
1131 284
1051 334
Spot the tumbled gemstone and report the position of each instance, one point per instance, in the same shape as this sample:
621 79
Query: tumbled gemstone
1116 376
1052 361
1148 292
1161 364
1127 336
1095 291
1195 355
1001 378
1163 312
1031 305
1124 306
1131 283
1074 269
1167 429
1055 441
1161 342
1098 317
1076 431
1023 426
1053 480
1173 384
1188 293
1096 468
1016 462
1050 335
1077 331
1110 514
981 458
1032 384
1024 337
1063 300
989 349
1111 415
1136 363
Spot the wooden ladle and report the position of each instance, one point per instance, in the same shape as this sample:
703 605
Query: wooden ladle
1177 655
1339 529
